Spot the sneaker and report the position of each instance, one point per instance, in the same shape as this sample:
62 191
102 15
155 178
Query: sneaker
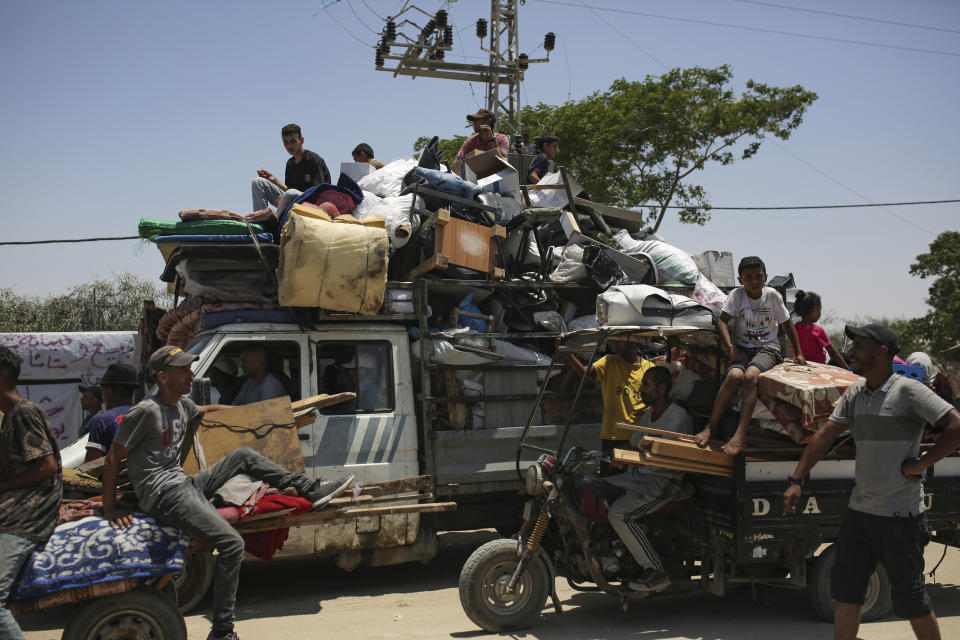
229 636
324 491
650 580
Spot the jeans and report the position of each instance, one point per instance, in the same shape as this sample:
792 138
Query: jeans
187 507
265 193
14 552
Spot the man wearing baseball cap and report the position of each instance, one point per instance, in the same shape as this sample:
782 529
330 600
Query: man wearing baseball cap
117 384
151 438
484 137
885 519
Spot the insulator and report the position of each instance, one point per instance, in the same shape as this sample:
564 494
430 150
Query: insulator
391 31
429 27
538 530
481 28
448 36
549 41
379 59
441 18
523 61
383 47
439 54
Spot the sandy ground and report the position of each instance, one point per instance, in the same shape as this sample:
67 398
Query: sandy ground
313 599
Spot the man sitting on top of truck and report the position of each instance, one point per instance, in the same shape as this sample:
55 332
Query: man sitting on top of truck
151 438
885 519
118 384
260 384
305 169
620 375
484 138
649 488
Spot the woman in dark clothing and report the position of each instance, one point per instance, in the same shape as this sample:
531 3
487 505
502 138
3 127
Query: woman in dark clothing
547 145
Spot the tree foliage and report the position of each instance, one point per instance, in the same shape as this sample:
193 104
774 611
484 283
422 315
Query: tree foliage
637 143
939 331
101 305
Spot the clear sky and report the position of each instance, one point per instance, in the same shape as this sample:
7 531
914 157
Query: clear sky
112 111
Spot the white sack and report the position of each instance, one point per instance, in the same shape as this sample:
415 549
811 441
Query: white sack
388 181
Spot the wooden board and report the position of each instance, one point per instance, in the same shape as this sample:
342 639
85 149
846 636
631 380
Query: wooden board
645 459
689 451
466 244
221 432
321 401
686 465
331 515
686 437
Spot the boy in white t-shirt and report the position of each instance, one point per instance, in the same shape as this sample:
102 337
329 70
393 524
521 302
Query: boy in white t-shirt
758 311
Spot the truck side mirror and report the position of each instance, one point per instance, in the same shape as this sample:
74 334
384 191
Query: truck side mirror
200 391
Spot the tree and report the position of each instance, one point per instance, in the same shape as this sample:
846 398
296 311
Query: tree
101 305
939 331
637 143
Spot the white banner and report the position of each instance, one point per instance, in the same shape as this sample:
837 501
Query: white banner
61 402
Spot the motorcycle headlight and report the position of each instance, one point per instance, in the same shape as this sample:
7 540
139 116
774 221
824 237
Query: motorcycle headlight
534 479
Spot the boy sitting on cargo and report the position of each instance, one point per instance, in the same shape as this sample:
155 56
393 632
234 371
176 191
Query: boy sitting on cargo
305 169
759 311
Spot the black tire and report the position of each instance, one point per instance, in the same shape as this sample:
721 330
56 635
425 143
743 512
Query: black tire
144 613
483 578
876 605
193 582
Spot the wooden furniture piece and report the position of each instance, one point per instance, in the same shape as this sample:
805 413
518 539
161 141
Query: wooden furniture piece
461 243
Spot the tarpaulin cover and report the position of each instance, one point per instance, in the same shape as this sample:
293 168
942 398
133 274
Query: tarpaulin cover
90 551
244 255
150 229
339 264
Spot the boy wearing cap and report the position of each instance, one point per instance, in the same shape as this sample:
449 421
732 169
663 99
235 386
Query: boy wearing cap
118 384
151 438
885 519
484 137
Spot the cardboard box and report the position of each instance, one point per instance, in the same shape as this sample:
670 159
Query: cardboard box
356 170
491 172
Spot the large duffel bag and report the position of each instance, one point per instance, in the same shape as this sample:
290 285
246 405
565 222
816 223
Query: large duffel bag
646 306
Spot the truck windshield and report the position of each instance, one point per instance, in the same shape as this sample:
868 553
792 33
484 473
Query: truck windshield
198 346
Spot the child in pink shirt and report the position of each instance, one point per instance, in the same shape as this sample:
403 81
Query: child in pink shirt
813 339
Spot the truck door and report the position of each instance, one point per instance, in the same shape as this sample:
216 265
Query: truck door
374 436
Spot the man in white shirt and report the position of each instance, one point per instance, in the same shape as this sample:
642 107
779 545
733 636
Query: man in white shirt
649 488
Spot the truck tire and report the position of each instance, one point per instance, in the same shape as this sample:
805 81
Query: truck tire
877 603
482 588
193 582
143 613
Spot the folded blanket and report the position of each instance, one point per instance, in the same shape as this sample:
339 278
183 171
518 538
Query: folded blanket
150 229
90 551
214 238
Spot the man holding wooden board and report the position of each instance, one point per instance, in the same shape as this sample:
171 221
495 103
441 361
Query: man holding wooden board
649 488
151 438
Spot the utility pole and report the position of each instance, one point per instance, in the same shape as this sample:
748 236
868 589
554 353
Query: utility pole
417 50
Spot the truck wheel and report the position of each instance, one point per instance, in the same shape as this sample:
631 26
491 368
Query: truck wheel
876 605
483 582
193 582
140 614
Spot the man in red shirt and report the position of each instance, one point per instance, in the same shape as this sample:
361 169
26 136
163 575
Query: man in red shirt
485 137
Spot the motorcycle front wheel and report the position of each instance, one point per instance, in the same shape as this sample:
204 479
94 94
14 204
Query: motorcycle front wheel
483 587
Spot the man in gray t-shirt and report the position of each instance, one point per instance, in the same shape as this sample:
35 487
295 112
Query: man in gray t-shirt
151 438
884 522
260 384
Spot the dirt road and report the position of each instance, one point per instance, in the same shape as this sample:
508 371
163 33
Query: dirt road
313 599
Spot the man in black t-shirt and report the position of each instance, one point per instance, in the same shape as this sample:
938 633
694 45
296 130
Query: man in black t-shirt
305 169
30 483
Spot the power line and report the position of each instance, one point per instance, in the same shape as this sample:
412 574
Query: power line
847 15
357 16
759 29
20 242
343 28
672 206
623 35
364 3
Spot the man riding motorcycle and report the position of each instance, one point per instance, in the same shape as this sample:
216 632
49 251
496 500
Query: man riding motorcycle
649 488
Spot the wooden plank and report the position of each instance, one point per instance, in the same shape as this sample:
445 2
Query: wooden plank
267 427
403 485
321 401
686 437
684 465
667 449
331 515
627 456
436 261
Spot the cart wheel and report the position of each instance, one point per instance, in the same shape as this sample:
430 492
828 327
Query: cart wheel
144 613
193 582
877 603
